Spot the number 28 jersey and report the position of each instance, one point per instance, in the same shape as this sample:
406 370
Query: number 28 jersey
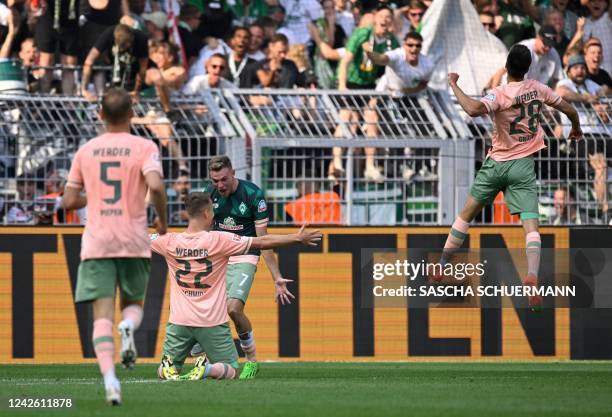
197 263
515 110
111 168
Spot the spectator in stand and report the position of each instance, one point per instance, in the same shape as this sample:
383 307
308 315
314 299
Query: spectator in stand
407 71
313 207
246 12
545 62
299 55
538 14
566 209
276 71
52 201
155 25
554 19
578 89
215 67
168 74
177 215
487 19
95 17
28 56
11 73
216 21
240 69
514 24
596 25
408 18
298 13
344 17
328 31
22 210
56 27
269 26
594 116
134 18
189 21
258 36
357 71
126 50
593 55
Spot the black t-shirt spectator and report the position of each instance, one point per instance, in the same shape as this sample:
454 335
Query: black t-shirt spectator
247 78
602 78
216 20
125 65
108 16
191 42
287 77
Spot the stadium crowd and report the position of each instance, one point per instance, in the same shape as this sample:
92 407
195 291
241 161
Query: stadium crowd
169 47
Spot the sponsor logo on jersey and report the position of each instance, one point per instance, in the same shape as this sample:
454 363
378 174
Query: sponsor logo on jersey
153 236
230 224
215 205
490 97
261 207
243 208
236 238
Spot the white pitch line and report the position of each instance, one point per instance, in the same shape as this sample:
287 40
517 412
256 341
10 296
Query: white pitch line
71 381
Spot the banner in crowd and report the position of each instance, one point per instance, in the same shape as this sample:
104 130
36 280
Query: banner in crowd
329 320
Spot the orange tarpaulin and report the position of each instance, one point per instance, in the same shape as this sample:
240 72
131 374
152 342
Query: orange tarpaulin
316 208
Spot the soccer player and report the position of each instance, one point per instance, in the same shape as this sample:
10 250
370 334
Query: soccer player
115 169
240 207
198 260
515 109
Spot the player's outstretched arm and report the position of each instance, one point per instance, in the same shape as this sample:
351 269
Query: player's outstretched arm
157 194
305 237
378 59
468 104
572 115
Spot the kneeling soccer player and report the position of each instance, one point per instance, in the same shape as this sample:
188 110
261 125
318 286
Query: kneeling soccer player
197 260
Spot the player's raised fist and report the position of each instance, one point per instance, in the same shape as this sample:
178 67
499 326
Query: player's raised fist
575 134
452 78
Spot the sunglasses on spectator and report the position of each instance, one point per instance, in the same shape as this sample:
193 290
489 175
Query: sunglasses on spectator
416 14
489 25
221 67
414 45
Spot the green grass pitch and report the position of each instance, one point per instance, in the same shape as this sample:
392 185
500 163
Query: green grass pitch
328 389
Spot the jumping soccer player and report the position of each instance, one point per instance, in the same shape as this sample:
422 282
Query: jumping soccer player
197 260
115 169
515 109
240 208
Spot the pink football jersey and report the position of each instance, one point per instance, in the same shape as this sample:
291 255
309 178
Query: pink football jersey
515 110
111 169
197 263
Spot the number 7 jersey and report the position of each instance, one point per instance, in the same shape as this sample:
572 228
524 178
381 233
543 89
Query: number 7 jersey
111 168
197 263
515 110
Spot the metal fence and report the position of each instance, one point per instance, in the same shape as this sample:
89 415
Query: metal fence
39 135
310 151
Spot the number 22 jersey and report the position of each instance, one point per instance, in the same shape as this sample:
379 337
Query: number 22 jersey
197 263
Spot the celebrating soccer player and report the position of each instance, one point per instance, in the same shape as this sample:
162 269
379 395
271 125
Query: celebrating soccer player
115 169
198 261
240 208
515 109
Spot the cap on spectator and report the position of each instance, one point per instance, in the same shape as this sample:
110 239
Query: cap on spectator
575 60
548 34
591 42
159 19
